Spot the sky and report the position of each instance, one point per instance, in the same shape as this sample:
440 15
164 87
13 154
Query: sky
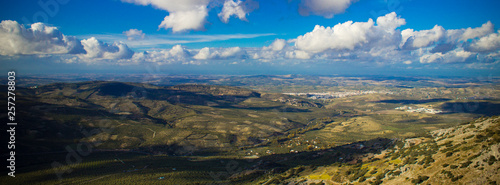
245 37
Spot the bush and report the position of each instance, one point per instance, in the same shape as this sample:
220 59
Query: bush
376 182
358 174
465 164
420 179
456 178
319 183
449 154
362 179
492 160
396 173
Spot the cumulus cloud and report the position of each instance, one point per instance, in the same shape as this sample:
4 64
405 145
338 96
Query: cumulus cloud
418 39
15 39
325 8
390 22
176 54
455 56
191 14
214 53
348 35
488 43
471 33
277 45
239 8
183 15
440 39
298 54
185 20
342 36
134 34
98 49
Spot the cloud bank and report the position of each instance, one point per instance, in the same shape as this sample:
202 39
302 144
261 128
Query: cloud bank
39 38
42 39
376 42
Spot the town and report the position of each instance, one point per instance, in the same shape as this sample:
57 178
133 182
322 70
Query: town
419 110
332 95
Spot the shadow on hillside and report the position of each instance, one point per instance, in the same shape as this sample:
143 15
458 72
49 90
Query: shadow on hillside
406 102
481 108
271 108
180 96
212 169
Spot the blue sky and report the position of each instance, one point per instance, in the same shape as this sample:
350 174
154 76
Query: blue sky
413 37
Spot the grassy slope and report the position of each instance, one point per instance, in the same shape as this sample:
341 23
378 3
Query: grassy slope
458 155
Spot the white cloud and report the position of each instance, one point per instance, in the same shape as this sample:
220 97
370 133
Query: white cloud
298 54
231 52
488 43
349 35
277 45
176 54
98 49
455 56
342 36
134 34
440 39
41 39
471 33
390 22
203 54
220 53
178 51
185 20
183 15
238 8
418 39
325 8
15 39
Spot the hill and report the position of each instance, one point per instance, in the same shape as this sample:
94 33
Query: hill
153 118
465 154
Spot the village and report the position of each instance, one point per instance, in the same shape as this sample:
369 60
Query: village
332 95
419 110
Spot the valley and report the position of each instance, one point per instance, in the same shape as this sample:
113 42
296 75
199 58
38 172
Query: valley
254 130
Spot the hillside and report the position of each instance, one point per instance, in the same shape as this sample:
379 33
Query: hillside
189 134
156 119
465 154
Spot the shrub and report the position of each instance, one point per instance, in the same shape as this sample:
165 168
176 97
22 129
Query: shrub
465 164
456 178
492 160
359 174
420 179
376 182
362 179
449 154
396 173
